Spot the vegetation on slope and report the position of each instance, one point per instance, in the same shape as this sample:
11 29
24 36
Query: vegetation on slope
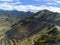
39 29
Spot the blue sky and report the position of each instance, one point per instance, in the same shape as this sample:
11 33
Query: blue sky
30 5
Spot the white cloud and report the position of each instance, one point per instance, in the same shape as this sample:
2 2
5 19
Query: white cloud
53 2
29 7
49 2
57 1
14 3
21 8
10 2
13 6
17 3
54 9
37 8
43 0
6 0
7 6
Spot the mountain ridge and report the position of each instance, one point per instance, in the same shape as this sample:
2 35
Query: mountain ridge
33 27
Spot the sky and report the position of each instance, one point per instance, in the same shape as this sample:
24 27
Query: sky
30 5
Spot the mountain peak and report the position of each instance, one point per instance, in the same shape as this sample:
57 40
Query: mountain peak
45 11
42 12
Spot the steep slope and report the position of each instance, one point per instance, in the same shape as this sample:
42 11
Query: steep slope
8 18
43 21
48 16
14 15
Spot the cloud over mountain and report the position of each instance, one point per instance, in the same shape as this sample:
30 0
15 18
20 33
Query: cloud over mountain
20 5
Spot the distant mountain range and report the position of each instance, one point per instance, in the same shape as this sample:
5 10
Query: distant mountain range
15 14
8 18
32 26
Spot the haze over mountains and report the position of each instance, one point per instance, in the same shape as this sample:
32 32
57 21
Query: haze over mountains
27 28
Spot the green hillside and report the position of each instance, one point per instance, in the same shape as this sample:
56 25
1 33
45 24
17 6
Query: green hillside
38 29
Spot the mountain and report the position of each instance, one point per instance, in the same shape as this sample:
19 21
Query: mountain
48 16
15 14
38 29
8 18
